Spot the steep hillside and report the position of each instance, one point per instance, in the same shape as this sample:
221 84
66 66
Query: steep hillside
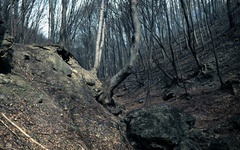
48 103
216 109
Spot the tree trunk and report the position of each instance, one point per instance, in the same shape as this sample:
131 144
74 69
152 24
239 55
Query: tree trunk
230 17
170 41
15 23
51 22
63 32
214 50
190 43
105 96
100 38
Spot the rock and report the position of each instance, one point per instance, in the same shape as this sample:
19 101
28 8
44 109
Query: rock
234 122
160 127
169 95
5 81
5 52
89 80
60 65
142 100
115 110
218 144
6 40
198 134
187 144
2 97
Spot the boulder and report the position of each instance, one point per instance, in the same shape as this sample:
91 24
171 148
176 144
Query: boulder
60 65
218 144
5 39
89 80
5 52
160 127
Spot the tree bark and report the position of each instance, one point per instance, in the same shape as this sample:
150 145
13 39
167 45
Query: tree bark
63 32
15 23
190 43
230 17
51 22
105 96
100 38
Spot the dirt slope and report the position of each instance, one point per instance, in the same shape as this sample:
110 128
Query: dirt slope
215 109
46 103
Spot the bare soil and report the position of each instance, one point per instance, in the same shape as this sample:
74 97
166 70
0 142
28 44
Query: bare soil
42 108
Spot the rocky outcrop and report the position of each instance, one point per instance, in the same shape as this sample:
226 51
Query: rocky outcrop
5 52
161 127
5 39
60 65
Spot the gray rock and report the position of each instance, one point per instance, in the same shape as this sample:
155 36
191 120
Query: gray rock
168 95
142 100
234 122
160 127
6 40
60 65
5 81
198 134
187 144
5 51
2 97
218 144
89 81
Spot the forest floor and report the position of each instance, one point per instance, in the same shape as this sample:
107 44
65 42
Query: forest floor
212 106
46 104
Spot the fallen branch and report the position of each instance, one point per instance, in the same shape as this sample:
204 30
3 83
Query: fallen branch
8 127
28 136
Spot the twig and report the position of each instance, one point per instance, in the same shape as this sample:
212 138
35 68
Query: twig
8 127
28 136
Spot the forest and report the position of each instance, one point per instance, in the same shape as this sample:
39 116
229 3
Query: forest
135 56
168 28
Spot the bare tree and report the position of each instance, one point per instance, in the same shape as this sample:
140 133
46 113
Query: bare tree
51 21
105 96
15 19
63 32
214 50
190 42
100 36
230 16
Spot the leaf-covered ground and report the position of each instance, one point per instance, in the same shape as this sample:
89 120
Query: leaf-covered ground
44 105
215 109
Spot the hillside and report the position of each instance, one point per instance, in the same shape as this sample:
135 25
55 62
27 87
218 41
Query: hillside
42 98
216 109
48 101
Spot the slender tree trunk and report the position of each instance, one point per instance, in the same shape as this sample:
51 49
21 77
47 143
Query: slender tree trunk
100 38
105 96
51 22
151 47
170 41
230 16
63 32
190 43
15 20
214 50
